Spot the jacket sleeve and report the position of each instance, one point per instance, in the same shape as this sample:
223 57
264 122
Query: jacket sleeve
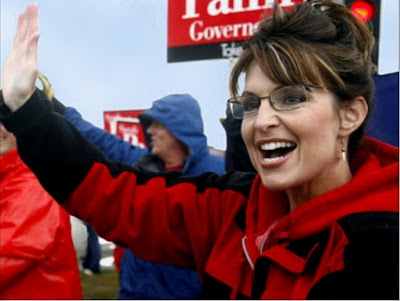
112 146
166 218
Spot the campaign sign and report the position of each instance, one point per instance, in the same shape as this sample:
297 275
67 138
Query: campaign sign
211 29
126 125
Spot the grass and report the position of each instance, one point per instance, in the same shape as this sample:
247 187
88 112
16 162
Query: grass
103 286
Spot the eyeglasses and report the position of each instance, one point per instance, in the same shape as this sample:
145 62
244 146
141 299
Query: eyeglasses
287 98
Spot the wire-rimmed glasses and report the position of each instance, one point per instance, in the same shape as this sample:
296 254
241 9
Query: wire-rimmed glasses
286 98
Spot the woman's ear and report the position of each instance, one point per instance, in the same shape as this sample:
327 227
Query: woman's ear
352 115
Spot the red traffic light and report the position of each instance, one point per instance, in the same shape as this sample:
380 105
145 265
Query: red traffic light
364 10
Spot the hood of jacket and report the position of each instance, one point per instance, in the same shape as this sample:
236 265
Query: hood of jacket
374 187
181 115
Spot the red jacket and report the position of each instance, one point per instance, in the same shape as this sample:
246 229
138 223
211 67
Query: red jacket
246 243
37 257
240 236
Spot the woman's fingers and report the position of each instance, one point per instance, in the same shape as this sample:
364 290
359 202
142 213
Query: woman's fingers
20 70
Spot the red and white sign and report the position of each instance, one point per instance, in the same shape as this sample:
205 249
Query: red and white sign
126 125
204 29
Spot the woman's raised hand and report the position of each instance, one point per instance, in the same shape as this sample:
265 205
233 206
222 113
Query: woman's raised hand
20 70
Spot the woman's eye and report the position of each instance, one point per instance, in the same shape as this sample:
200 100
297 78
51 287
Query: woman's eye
250 103
294 99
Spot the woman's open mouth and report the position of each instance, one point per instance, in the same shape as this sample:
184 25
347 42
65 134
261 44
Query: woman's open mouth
275 151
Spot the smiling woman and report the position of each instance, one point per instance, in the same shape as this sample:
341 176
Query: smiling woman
319 220
313 163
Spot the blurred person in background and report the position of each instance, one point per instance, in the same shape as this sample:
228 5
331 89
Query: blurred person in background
173 129
37 257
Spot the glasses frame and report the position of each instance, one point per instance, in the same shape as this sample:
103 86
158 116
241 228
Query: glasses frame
234 100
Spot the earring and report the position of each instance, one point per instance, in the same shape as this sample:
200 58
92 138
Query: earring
343 151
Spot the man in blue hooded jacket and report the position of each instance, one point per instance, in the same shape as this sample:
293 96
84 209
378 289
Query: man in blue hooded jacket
173 129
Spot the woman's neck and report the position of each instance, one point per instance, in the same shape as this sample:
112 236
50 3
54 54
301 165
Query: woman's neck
319 185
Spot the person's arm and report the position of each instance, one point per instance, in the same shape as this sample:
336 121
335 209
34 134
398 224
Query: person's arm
112 146
158 216
164 217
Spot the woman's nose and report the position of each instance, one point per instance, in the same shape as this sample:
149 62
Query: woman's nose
267 116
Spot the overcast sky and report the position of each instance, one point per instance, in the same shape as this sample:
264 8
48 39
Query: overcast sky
105 55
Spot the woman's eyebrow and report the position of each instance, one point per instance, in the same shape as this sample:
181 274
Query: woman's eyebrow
244 93
264 94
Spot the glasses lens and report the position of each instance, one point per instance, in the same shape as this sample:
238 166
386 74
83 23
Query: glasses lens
236 108
289 98
251 104
244 106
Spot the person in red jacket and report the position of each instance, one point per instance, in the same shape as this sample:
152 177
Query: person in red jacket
37 256
318 220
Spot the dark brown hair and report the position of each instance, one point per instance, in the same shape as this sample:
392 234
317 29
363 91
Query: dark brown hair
320 43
